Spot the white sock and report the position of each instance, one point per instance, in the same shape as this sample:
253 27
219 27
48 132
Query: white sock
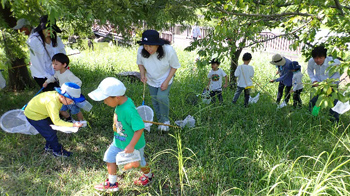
112 178
149 175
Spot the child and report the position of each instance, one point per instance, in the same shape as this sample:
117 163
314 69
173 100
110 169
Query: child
244 73
215 80
297 84
60 64
43 110
128 131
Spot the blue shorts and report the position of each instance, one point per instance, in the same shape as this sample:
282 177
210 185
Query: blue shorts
74 109
112 151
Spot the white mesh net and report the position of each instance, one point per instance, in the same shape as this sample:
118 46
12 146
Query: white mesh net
146 114
14 121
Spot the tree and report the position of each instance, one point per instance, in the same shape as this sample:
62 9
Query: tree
237 24
78 16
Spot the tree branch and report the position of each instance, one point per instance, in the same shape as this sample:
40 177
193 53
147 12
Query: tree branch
339 7
269 39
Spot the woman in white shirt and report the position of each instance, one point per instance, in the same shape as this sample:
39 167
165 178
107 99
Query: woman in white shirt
158 62
44 44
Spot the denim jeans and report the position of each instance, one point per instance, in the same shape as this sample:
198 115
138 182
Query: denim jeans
238 93
160 101
45 130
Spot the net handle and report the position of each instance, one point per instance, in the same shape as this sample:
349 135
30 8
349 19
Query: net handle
143 95
34 96
158 123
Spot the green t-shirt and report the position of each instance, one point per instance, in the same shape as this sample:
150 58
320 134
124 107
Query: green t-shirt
128 122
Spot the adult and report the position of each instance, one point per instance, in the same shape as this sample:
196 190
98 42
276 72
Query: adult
24 26
44 44
284 67
317 71
158 62
196 32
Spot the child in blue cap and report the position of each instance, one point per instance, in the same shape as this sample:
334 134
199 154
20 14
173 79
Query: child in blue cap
43 110
297 84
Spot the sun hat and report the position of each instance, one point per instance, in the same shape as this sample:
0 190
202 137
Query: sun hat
108 87
45 23
21 23
71 91
151 37
278 59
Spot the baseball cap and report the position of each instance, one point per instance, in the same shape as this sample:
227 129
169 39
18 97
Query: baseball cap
108 87
21 23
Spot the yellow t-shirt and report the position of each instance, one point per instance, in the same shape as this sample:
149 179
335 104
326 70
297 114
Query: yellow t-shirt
45 105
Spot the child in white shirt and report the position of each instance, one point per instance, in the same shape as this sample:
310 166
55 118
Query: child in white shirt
297 84
215 81
244 73
60 64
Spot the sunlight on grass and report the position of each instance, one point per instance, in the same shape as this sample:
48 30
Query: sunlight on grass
232 150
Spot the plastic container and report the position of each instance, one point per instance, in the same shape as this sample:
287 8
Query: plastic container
126 161
206 96
189 121
85 105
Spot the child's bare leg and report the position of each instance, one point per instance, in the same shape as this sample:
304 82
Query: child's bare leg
112 168
146 169
80 116
65 114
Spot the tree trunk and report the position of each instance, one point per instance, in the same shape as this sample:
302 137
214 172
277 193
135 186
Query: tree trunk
233 67
19 77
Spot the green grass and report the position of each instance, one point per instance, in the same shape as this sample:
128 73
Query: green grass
233 150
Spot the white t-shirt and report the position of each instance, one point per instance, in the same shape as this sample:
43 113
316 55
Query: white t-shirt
297 80
41 64
216 79
158 70
64 77
318 72
244 74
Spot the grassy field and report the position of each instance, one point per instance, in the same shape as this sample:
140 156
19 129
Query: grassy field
233 150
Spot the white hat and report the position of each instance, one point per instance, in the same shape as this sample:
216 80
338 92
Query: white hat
278 59
108 87
71 91
21 23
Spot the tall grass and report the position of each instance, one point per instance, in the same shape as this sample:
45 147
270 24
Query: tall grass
233 150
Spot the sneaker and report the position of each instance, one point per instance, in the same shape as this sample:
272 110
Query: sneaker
62 153
48 149
144 180
166 128
107 186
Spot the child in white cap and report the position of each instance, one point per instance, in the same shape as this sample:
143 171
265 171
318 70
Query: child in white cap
43 110
128 132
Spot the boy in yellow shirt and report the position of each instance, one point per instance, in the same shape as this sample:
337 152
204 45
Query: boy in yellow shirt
43 110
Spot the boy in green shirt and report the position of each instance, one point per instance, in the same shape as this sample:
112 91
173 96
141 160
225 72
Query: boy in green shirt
128 131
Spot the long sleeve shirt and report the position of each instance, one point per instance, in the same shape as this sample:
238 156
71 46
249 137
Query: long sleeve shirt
318 73
286 73
44 105
40 56
64 77
297 80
